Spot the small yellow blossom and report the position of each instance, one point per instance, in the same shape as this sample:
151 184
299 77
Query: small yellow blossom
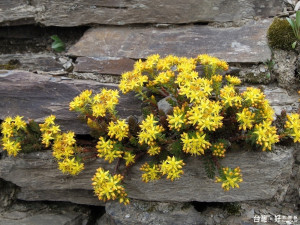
230 178
108 187
118 129
254 97
172 168
195 143
132 81
154 150
246 119
149 130
70 166
233 80
229 97
177 119
292 126
265 135
80 102
218 150
151 172
129 158
108 150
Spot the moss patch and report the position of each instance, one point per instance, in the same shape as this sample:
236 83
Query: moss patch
280 35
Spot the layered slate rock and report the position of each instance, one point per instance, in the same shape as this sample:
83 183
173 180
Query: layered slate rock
246 44
264 175
38 96
118 12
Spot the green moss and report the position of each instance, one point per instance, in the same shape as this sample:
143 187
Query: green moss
7 67
280 35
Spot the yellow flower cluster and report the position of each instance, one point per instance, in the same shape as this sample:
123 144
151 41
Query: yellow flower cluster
49 130
96 105
129 158
218 150
230 178
292 126
70 166
132 81
177 120
213 62
194 143
205 115
265 135
105 101
246 119
80 102
118 129
151 172
172 168
63 148
163 77
197 90
233 80
108 187
10 129
108 150
229 97
253 96
149 131
154 150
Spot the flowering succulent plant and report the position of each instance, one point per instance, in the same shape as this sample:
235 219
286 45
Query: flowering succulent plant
208 114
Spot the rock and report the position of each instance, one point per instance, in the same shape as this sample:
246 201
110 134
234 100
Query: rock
8 194
39 179
38 96
96 66
151 213
31 62
165 106
68 66
42 214
256 74
118 12
246 44
285 70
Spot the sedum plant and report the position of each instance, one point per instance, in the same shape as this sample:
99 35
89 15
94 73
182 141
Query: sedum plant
208 114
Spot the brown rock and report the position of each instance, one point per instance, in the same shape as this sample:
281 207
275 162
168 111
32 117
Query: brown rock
70 13
243 44
111 67
38 96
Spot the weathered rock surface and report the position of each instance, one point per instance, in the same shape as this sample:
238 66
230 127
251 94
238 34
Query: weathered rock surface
31 62
264 175
41 214
38 96
236 44
285 68
150 213
111 67
118 12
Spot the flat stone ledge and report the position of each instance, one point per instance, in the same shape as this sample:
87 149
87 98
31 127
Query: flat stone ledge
246 44
264 174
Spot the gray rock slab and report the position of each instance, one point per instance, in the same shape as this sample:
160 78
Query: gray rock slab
264 174
247 44
118 12
32 62
151 213
37 96
111 67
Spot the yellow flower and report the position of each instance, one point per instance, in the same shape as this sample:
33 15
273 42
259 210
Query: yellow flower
172 168
118 129
154 150
177 119
63 146
218 150
149 130
151 172
265 135
292 126
233 80
195 143
80 102
230 178
108 150
246 119
12 147
254 97
49 130
205 115
163 77
129 158
105 101
229 97
70 166
132 81
108 187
